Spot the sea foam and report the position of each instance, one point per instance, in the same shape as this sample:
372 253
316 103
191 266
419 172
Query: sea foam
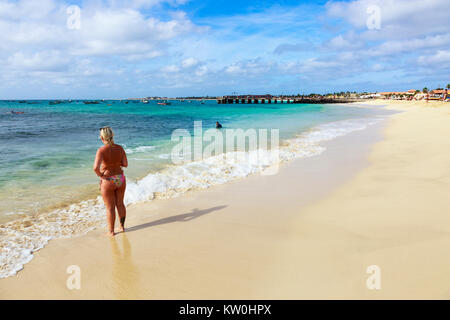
19 239
139 149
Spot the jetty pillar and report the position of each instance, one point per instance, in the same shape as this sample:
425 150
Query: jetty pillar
249 101
263 100
242 100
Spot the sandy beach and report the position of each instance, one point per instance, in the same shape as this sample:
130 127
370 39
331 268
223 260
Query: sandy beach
376 197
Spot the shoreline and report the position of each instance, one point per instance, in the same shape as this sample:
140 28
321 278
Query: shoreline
308 232
87 192
309 167
32 233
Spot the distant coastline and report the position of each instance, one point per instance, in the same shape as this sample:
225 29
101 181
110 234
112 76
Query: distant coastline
438 94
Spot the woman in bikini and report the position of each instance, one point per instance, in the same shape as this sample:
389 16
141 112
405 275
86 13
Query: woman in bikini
108 166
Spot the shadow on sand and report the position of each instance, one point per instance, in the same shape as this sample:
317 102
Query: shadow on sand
178 218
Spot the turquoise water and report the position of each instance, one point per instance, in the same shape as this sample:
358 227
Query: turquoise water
48 189
49 149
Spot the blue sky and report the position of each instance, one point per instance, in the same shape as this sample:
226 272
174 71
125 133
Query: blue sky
136 48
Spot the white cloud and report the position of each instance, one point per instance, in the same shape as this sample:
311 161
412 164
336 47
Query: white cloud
293 47
250 67
350 41
440 58
36 45
142 4
30 25
189 62
316 65
399 18
201 71
127 31
39 61
171 69
410 45
29 9
137 49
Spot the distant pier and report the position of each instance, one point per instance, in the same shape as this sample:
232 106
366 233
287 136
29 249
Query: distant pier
263 99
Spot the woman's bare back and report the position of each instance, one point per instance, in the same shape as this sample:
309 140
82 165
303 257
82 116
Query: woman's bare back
113 157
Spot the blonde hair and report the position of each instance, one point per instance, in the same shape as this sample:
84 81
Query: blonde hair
107 134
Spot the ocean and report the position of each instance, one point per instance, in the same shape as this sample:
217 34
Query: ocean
48 189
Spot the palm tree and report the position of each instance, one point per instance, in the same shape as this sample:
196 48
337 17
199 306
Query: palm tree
425 90
448 86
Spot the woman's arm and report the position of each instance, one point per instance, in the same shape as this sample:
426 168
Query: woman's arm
97 163
124 160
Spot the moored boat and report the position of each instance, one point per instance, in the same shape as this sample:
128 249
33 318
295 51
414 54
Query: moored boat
164 103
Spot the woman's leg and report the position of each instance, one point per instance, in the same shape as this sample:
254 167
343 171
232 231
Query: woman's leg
121 209
109 198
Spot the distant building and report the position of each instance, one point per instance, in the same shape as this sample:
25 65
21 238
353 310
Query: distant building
371 96
437 94
398 95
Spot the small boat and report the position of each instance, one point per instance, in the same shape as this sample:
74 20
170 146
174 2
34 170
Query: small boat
54 102
91 102
17 112
164 103
144 101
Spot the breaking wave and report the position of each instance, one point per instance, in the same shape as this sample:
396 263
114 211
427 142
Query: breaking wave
19 239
